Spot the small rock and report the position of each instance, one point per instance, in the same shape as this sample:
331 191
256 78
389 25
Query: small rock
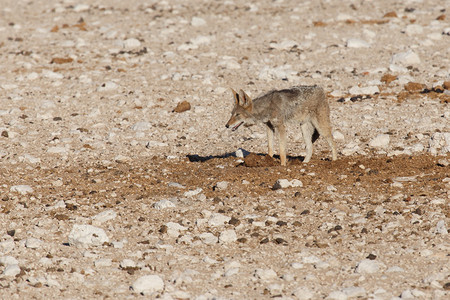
22 189
104 216
173 229
222 185
337 135
141 126
163 204
413 30
303 293
441 228
368 266
368 90
357 43
197 22
11 270
405 58
443 162
182 107
87 235
217 219
148 285
193 193
108 86
8 260
103 262
127 263
414 87
131 43
337 295
355 292
81 7
388 78
265 274
33 243
208 238
227 236
380 141
284 183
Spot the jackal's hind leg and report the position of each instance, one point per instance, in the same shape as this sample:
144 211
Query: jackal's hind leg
324 128
308 131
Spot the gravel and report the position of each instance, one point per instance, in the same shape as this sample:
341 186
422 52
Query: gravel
119 179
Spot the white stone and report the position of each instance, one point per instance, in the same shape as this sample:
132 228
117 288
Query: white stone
193 193
367 266
441 228
201 40
52 75
131 43
11 270
303 293
337 295
173 229
367 90
222 185
57 150
162 204
413 29
22 189
103 262
127 263
81 7
33 243
6 86
87 235
197 22
395 269
217 219
208 238
357 43
141 126
405 58
337 135
355 292
284 45
265 274
285 183
229 63
380 141
297 265
227 236
7 246
108 86
149 284
104 216
407 294
8 260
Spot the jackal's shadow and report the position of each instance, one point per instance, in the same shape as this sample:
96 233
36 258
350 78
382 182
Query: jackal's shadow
199 158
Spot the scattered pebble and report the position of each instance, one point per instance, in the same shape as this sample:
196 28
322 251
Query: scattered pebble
380 141
86 236
148 285
22 189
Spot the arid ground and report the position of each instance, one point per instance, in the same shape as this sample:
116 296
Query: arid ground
119 180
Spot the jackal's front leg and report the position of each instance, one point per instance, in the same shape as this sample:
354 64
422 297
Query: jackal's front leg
270 140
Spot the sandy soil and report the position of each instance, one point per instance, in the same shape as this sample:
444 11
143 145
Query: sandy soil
90 135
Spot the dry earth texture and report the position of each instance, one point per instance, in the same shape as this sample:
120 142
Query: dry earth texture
119 180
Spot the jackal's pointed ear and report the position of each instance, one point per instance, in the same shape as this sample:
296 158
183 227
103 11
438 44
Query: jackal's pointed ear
246 99
236 96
